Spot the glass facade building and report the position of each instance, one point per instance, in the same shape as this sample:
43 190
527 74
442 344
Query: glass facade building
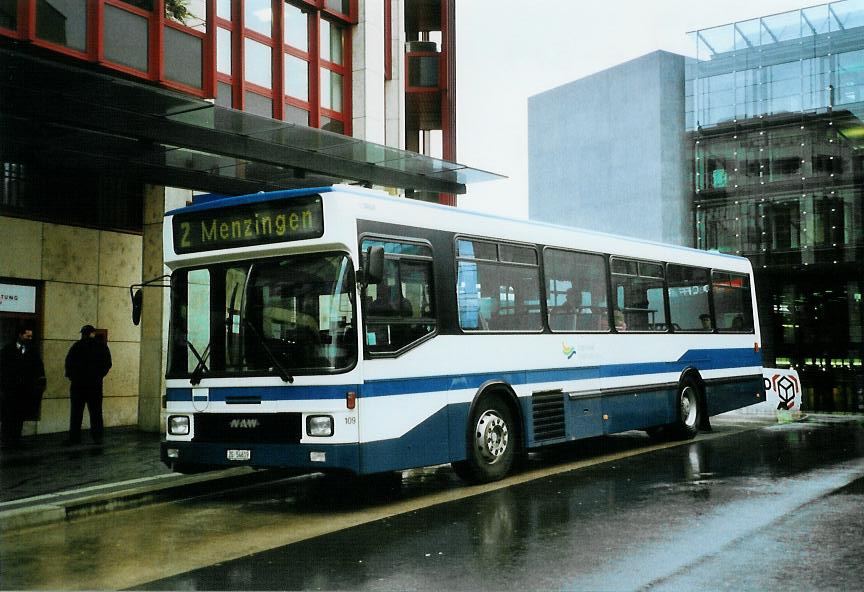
775 124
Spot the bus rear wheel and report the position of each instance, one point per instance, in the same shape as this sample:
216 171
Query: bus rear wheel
491 444
689 413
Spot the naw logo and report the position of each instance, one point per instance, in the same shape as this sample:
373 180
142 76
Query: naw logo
244 423
786 387
569 350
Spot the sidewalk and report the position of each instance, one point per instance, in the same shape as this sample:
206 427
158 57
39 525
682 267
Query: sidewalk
45 481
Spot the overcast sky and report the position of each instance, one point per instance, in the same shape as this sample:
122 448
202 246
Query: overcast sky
509 50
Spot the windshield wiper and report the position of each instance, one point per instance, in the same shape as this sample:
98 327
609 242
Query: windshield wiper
201 367
283 373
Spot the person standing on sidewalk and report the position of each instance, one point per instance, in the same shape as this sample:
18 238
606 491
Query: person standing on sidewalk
87 363
22 382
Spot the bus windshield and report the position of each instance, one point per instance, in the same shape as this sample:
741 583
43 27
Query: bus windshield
293 314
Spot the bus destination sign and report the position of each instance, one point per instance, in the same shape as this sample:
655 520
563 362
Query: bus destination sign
249 224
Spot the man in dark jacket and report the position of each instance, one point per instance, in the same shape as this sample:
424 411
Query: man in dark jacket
22 382
87 363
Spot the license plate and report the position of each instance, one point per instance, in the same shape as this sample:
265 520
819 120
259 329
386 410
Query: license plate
239 454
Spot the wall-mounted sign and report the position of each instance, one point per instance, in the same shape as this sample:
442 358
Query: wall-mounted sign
249 224
17 298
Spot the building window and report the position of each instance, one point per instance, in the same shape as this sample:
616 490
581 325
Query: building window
343 6
9 14
258 16
296 28
224 8
185 36
40 191
189 13
296 60
296 77
127 37
63 22
293 55
224 52
258 64
332 75
331 90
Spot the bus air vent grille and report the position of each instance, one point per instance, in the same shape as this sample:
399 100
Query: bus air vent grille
548 414
262 428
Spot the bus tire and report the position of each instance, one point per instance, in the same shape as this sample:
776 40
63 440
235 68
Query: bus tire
491 443
689 407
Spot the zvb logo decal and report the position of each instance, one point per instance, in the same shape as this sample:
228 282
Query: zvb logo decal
244 423
569 350
786 388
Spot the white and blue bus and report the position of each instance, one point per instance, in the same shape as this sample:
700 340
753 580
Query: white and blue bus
342 329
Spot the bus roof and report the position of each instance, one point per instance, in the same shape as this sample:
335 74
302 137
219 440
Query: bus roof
214 201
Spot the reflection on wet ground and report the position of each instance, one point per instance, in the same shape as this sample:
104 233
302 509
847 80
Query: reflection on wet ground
636 519
646 520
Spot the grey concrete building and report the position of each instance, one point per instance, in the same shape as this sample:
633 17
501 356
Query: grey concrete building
607 152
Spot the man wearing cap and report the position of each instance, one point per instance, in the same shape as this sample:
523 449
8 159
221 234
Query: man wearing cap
87 363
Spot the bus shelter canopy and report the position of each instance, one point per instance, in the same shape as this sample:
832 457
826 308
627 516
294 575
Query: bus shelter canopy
89 119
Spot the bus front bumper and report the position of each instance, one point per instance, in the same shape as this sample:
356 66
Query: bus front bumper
189 456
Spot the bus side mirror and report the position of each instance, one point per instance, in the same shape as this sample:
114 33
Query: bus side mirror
373 266
138 297
137 303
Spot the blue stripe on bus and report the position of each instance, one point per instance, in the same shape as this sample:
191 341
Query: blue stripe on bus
706 359
701 359
266 393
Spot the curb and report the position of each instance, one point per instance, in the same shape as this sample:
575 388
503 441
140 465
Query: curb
65 506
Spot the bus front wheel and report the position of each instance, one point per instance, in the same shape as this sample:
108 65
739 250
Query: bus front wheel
491 445
689 403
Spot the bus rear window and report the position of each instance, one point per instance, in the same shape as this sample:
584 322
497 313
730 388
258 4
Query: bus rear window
733 306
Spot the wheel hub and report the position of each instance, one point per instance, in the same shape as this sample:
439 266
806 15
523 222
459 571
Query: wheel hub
688 406
491 436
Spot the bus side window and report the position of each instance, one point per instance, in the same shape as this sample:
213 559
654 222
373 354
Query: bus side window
575 291
400 309
689 306
639 295
498 287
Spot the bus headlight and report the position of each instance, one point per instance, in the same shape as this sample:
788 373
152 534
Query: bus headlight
319 425
178 425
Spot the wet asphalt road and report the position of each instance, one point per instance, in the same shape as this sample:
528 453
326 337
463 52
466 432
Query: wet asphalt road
775 508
